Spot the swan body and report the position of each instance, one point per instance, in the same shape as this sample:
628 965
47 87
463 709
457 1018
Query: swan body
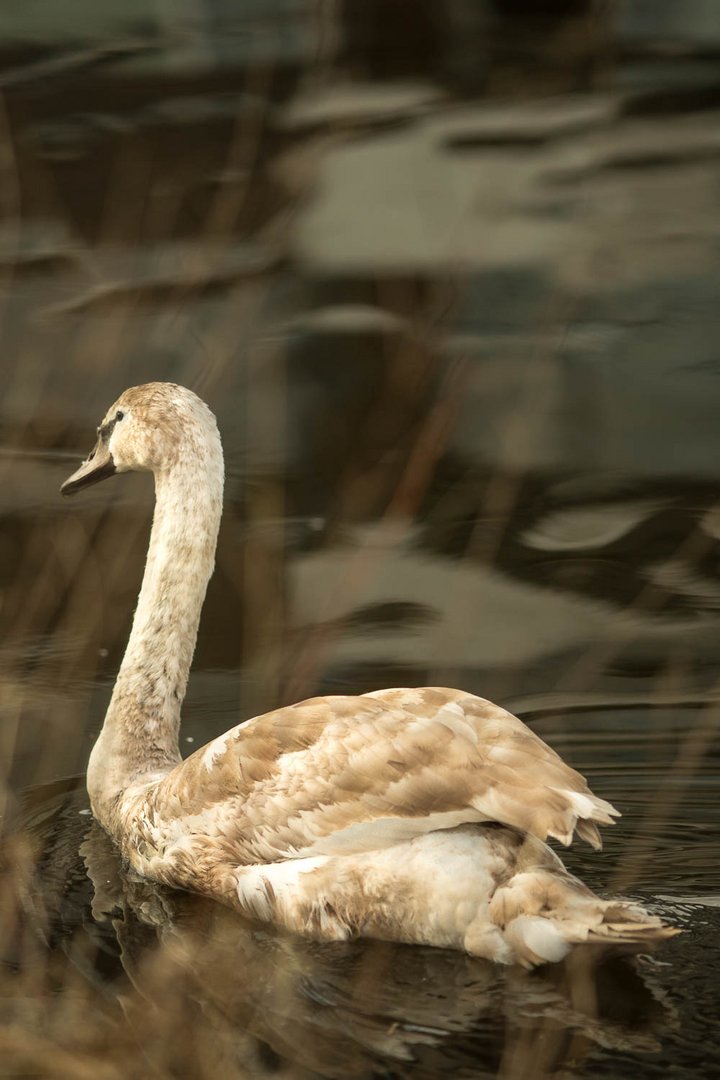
415 815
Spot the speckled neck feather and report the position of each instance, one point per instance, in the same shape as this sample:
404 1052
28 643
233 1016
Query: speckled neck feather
140 735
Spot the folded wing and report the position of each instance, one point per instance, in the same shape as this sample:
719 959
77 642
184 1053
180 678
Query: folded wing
338 775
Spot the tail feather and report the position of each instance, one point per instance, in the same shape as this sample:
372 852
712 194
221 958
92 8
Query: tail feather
629 923
544 913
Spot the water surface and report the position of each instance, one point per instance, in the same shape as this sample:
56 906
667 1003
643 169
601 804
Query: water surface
451 288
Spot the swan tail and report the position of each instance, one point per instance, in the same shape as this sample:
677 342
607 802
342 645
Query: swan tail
542 914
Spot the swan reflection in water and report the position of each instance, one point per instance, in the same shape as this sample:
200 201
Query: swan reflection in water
266 1001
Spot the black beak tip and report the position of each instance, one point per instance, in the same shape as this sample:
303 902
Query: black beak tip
92 471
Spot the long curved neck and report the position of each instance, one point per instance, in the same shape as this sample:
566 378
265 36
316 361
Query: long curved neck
139 738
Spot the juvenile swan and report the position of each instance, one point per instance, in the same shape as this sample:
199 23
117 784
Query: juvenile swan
409 815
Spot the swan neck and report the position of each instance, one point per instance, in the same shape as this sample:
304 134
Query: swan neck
140 736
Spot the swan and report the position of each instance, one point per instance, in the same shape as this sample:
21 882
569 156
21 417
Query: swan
413 815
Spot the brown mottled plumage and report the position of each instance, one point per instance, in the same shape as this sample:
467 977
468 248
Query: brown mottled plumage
416 815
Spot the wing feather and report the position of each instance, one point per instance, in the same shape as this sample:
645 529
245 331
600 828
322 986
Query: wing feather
344 774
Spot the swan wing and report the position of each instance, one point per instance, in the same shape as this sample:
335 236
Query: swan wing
338 775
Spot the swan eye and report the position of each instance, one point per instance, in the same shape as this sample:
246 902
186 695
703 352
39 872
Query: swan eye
119 414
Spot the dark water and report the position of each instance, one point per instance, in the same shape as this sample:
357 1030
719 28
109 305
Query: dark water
449 278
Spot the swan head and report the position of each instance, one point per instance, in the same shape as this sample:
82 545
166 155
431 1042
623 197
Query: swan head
148 429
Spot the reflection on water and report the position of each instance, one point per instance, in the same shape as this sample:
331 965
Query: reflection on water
196 984
334 1010
450 284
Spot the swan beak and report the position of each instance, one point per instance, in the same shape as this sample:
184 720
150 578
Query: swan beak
98 466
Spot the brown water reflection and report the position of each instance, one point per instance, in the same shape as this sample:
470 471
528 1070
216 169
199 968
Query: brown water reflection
179 966
450 284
